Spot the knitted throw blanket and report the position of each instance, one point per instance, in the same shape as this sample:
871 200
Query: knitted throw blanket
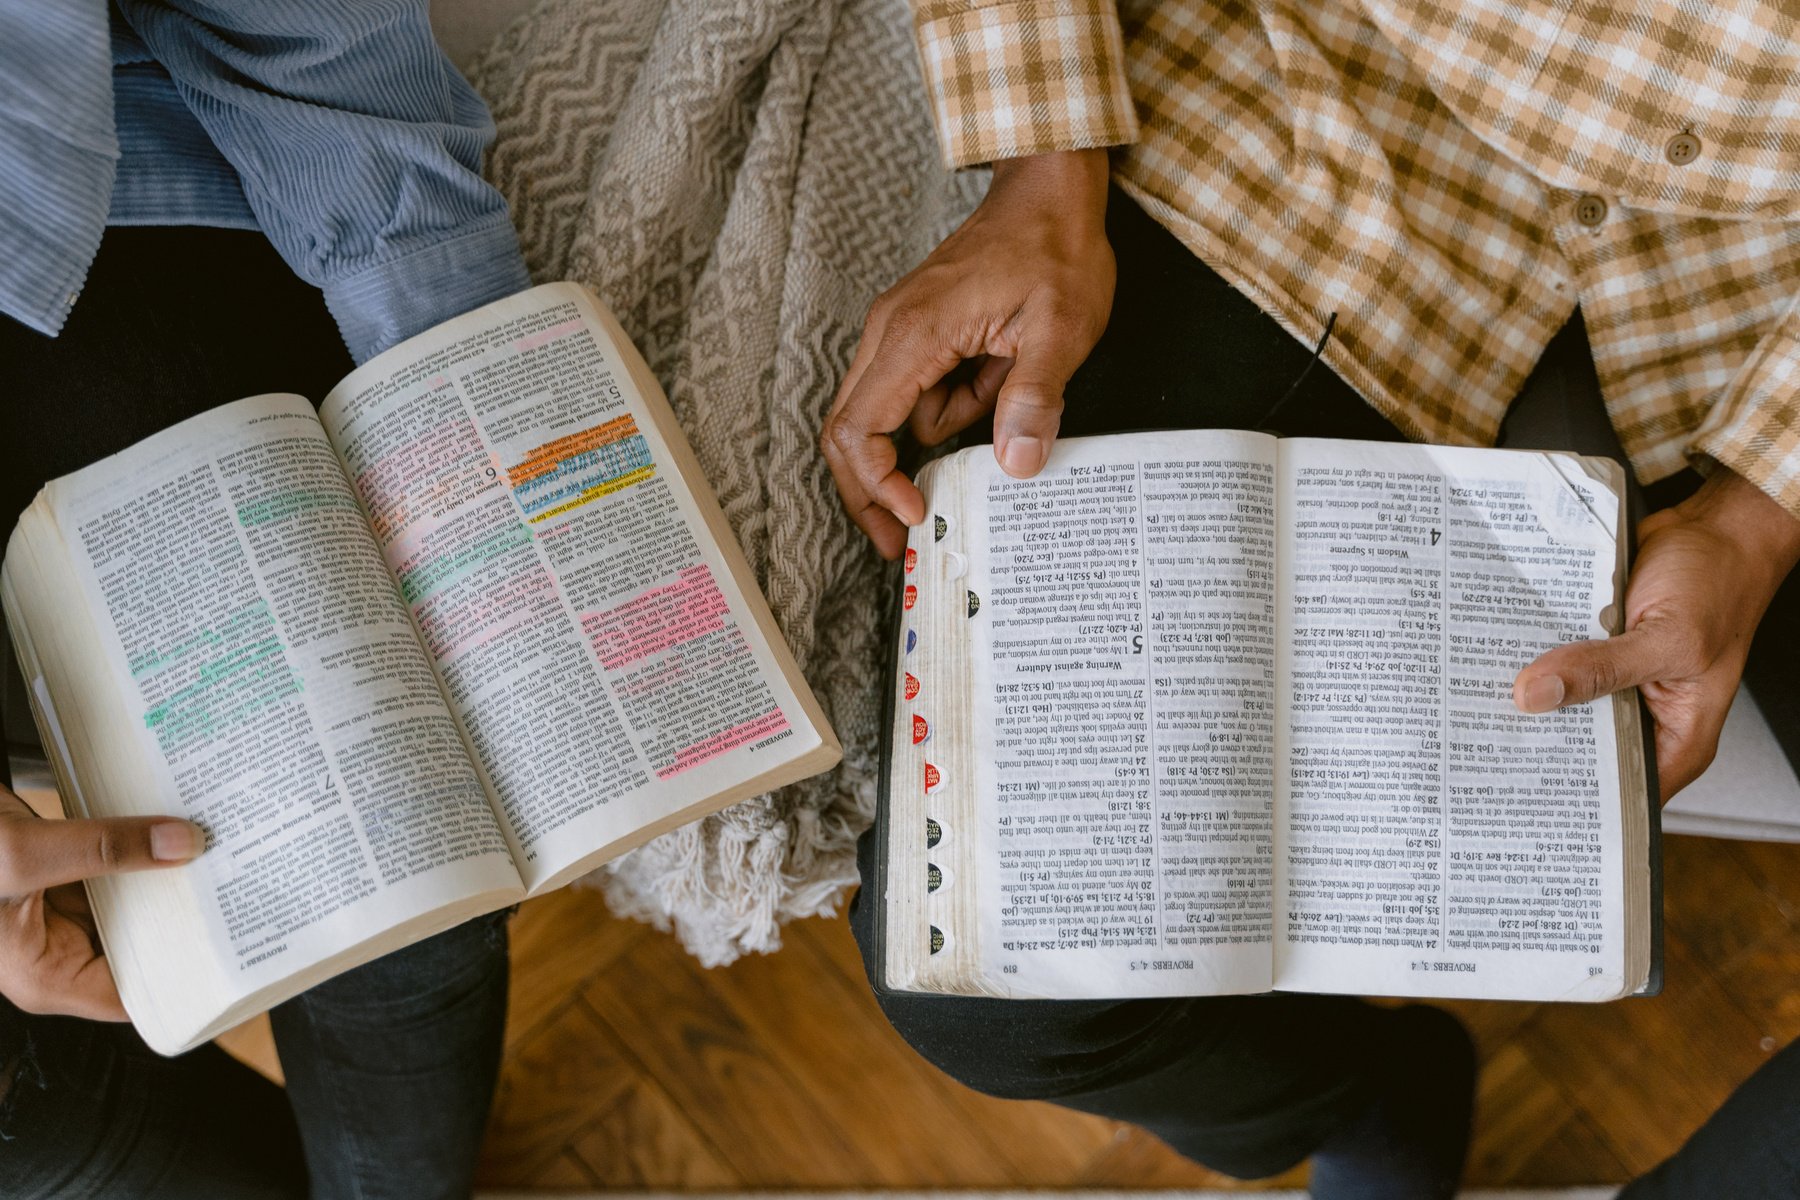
738 179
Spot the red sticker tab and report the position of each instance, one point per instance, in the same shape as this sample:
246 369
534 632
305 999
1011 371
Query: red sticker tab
931 778
912 597
912 685
921 730
912 559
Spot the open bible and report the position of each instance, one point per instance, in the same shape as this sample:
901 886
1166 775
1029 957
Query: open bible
470 630
1203 713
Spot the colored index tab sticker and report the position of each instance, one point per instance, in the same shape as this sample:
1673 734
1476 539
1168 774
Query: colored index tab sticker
912 639
939 528
912 686
934 833
921 730
912 559
934 877
932 779
912 597
937 939
974 604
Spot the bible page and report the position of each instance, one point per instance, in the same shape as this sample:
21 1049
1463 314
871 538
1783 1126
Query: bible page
254 655
1123 650
611 676
1430 838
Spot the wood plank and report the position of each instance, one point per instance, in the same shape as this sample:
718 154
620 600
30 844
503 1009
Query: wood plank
560 941
643 1141
699 1051
1137 1160
556 1083
1575 1155
1045 1145
565 1172
1764 982
1776 868
1714 902
895 1108
1525 1127
1647 1072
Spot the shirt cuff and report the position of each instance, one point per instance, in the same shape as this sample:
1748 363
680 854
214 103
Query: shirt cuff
1027 77
1754 426
380 306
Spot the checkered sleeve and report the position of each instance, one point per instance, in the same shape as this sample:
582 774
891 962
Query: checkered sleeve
1024 77
1754 426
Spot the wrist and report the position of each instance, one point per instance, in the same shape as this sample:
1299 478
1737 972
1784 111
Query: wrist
1733 508
1073 182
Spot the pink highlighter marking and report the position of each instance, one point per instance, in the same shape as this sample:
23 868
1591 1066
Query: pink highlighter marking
544 337
690 607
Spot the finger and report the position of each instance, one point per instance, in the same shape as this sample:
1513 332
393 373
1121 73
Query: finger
876 520
1030 403
850 490
1584 671
858 442
37 854
962 403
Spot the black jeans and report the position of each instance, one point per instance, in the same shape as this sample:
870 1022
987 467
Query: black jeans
1252 1085
390 1067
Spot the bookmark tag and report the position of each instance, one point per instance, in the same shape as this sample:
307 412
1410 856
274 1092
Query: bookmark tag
911 597
911 687
932 779
912 559
921 730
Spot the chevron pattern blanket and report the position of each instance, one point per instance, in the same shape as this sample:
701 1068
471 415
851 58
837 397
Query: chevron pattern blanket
739 179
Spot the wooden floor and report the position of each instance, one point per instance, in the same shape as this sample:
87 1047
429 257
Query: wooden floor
629 1066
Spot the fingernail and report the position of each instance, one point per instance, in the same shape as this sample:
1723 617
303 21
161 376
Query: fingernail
176 841
1543 694
1022 456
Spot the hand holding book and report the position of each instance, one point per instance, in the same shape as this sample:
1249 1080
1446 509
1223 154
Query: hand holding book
995 320
1705 572
50 956
471 629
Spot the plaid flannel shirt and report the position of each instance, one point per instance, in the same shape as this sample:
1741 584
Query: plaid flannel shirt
1451 177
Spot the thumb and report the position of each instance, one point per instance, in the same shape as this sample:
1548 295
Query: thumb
1584 671
37 854
1029 408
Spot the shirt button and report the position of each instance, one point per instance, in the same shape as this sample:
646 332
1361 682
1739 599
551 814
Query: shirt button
1682 149
1590 210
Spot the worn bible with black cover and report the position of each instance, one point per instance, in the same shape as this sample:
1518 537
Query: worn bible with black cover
1213 712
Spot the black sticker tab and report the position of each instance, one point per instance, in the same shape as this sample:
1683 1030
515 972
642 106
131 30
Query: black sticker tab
974 604
934 833
939 528
934 877
937 939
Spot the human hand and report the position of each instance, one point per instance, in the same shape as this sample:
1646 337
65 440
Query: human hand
996 318
1706 570
50 957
